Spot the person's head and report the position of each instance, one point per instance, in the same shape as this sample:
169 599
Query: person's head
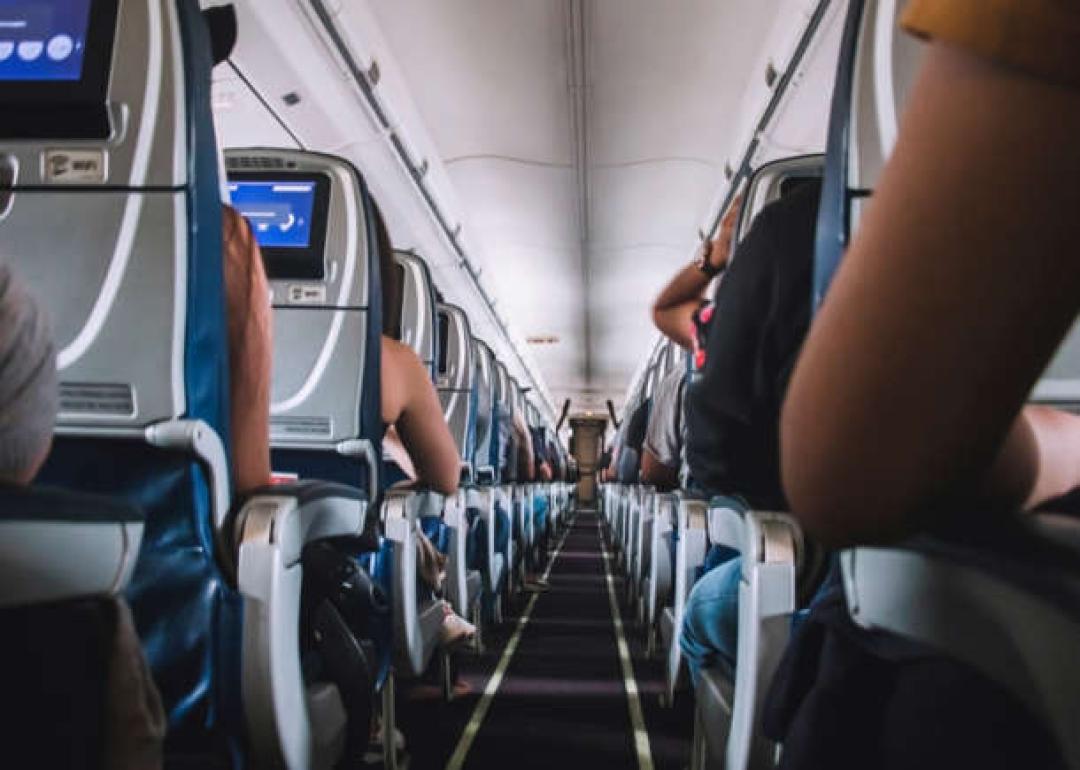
390 274
28 384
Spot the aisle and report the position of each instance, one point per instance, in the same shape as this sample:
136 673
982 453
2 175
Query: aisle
561 696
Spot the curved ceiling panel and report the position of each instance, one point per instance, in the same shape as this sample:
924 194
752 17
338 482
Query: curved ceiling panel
585 141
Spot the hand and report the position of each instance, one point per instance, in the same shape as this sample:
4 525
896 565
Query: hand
720 252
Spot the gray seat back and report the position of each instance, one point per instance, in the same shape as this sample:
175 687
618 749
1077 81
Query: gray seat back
457 377
772 181
418 309
310 214
116 177
487 395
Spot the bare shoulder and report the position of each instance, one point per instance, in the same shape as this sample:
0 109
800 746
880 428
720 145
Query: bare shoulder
400 358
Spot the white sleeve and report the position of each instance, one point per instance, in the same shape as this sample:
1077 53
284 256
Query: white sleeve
662 440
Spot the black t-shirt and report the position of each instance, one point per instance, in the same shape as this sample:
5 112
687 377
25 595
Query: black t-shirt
761 317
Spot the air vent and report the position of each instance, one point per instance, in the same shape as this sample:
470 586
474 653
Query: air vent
256 163
84 398
301 427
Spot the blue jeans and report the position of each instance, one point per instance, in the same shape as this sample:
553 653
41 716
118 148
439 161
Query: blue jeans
710 628
540 512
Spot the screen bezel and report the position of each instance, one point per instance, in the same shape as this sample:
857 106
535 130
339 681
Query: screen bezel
90 89
276 257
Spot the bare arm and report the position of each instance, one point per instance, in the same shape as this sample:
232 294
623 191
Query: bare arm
412 406
673 310
250 349
956 291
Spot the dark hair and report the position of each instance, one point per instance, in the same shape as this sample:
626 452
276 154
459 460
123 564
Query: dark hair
390 274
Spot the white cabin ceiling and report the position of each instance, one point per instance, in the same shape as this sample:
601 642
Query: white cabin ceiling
492 80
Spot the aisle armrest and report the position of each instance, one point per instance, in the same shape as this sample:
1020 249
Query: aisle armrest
57 545
417 619
271 530
999 623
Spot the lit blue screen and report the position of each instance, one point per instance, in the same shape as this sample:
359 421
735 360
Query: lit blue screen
43 40
279 212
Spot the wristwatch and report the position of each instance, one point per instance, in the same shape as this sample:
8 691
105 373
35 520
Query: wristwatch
704 264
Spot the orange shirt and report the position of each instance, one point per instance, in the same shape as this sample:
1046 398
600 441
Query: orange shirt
1041 37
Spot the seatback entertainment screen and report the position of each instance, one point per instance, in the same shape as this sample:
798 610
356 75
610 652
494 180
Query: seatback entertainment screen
43 40
288 214
279 212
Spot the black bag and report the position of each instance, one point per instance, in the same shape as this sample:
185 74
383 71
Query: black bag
339 604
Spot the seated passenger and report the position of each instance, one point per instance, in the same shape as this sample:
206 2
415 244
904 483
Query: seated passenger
969 279
28 384
543 473
661 453
520 463
732 407
906 412
417 438
627 459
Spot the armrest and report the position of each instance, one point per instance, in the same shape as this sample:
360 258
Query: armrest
272 528
402 508
300 512
725 522
1013 635
416 620
57 545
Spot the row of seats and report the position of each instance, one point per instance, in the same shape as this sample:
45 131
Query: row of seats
264 619
989 606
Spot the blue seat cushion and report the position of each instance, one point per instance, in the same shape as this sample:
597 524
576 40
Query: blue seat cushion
187 613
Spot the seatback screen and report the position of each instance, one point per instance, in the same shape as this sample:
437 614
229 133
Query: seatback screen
288 214
279 212
43 41
55 67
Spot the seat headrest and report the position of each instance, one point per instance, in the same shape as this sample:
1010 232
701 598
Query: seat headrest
773 181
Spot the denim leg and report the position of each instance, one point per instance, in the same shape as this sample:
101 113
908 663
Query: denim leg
540 514
710 629
502 530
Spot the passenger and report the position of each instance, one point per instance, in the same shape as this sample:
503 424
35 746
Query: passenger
661 455
732 411
542 473
417 437
521 460
627 457
28 384
906 412
962 270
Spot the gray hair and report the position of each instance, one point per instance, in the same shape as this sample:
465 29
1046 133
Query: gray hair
28 382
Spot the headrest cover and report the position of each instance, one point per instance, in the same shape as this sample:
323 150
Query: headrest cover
222 24
28 383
